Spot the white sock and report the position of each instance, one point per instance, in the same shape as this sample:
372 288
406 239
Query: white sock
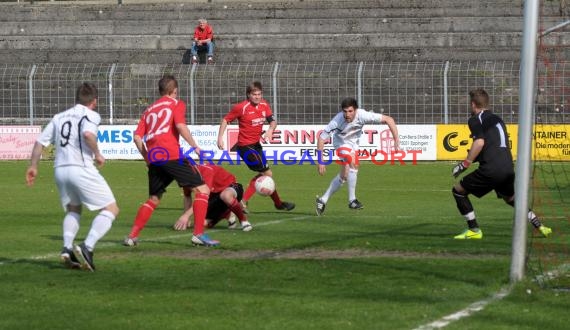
335 185
70 228
469 216
100 226
531 215
351 179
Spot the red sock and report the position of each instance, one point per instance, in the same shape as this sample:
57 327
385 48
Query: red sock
250 189
143 215
275 198
200 207
236 208
226 215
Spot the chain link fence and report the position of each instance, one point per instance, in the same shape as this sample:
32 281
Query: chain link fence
299 93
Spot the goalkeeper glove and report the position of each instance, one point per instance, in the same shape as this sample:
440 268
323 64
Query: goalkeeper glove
460 167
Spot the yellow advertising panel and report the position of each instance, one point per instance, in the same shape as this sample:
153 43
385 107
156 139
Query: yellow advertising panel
453 141
549 142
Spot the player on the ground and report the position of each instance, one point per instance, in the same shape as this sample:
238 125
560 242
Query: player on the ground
74 135
157 139
345 130
251 115
225 198
490 148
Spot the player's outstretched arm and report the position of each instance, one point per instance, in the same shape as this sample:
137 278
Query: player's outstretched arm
321 168
475 150
32 171
141 147
221 132
186 135
184 219
268 135
473 153
394 129
91 141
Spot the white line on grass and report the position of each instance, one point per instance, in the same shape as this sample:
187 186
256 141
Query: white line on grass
158 239
553 274
466 312
185 234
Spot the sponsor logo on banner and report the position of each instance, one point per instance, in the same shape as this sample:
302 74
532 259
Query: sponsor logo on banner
116 142
288 142
386 141
453 141
17 142
551 142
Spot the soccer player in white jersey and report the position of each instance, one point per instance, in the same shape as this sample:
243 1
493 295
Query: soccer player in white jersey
345 130
74 134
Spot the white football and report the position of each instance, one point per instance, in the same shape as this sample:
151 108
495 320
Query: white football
264 185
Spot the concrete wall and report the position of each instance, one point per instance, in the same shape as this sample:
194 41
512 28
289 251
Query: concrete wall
148 32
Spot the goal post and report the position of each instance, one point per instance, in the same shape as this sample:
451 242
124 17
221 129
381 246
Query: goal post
526 109
543 158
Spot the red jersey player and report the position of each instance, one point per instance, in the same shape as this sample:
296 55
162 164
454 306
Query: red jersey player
157 139
251 114
225 197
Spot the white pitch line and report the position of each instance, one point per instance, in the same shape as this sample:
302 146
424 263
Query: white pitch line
184 234
466 312
158 239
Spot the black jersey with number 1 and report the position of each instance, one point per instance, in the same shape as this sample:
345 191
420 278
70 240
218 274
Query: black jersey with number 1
496 157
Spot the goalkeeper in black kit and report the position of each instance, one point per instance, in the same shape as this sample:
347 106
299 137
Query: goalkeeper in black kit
490 148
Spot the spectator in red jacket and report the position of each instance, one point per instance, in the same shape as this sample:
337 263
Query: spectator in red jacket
203 40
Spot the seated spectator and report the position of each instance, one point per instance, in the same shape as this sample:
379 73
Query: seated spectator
203 40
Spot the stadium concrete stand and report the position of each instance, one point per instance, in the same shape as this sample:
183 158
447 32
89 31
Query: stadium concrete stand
143 31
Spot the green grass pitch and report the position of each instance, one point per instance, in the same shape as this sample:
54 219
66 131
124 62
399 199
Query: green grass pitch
392 265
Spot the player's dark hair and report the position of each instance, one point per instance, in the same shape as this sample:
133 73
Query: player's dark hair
480 97
167 85
86 93
349 102
253 86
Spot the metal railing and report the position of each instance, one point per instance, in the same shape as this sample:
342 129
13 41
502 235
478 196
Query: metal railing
299 93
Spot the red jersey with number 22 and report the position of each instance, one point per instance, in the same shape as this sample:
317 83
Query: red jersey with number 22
157 127
216 177
251 119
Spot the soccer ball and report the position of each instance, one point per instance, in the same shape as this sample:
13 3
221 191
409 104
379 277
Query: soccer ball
264 185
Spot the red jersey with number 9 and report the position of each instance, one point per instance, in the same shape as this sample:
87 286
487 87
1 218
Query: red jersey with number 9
157 127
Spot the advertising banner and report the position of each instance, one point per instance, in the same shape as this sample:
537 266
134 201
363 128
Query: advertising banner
453 141
297 143
17 142
549 142
290 144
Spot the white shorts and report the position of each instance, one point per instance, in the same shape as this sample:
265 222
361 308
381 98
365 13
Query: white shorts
346 150
83 185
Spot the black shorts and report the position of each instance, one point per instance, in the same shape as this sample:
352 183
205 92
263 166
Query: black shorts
217 208
253 156
160 176
479 184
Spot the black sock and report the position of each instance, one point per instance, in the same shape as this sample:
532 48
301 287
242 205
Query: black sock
472 224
